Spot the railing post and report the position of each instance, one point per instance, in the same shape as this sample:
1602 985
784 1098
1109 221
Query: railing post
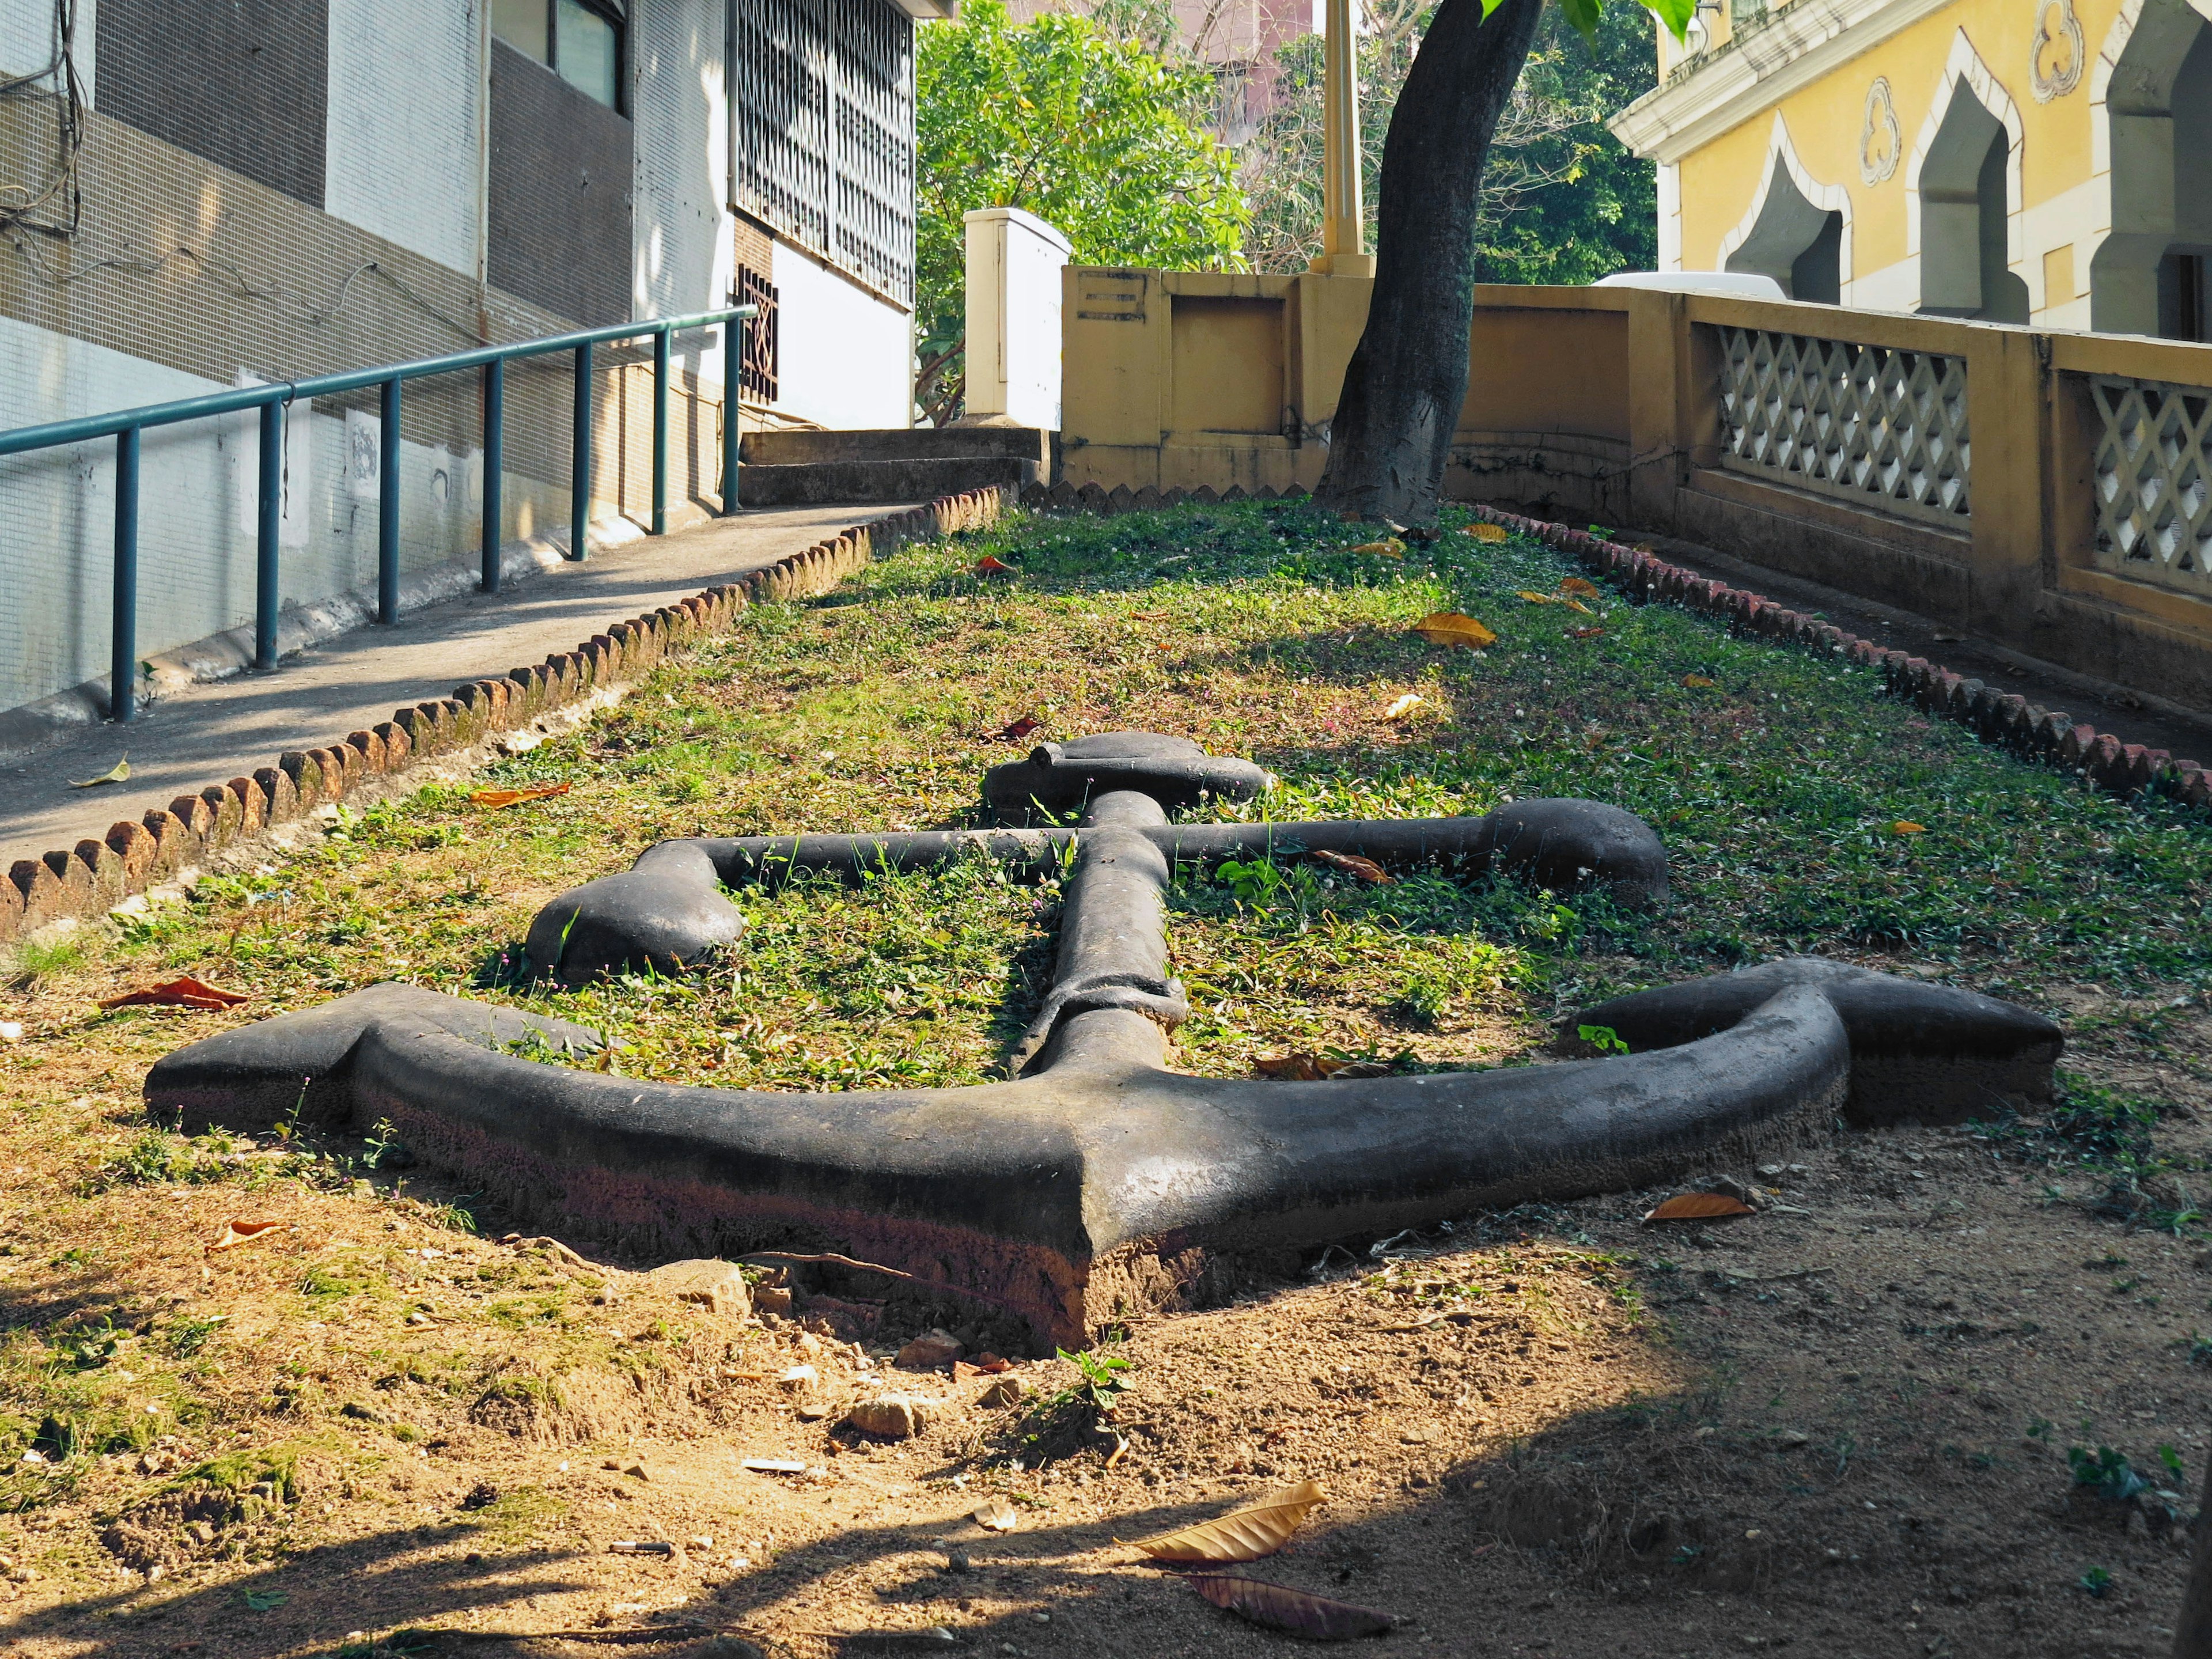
122 657
579 489
267 596
495 440
387 510
732 365
660 432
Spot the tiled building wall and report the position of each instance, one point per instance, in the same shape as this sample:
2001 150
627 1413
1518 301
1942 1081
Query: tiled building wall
561 176
405 81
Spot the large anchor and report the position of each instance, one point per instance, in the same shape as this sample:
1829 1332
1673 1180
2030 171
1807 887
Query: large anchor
1095 1183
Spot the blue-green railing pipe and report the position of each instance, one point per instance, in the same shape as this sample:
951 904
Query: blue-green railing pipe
580 471
266 594
495 446
270 400
123 651
732 365
387 510
660 433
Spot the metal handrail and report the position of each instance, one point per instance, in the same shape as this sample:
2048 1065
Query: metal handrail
273 398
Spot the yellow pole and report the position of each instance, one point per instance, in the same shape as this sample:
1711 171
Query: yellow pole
1343 229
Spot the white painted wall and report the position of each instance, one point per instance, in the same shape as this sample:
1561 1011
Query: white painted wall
401 138
1014 262
844 357
684 251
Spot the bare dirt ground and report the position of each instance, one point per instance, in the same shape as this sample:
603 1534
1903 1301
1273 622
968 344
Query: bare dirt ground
1839 1424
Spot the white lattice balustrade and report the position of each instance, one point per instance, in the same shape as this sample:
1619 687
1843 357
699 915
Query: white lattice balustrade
2153 511
1873 424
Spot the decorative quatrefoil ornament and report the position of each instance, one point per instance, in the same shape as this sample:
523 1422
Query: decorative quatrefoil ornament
1094 1182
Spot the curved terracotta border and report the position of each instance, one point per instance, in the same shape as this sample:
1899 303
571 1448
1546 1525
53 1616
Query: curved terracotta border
93 876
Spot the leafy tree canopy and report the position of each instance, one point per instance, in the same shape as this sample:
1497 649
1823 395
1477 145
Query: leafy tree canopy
1099 136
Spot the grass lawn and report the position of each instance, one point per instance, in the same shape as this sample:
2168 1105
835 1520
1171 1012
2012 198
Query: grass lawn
1802 810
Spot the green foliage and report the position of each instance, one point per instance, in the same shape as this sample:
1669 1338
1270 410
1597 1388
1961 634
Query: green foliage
2097 1582
1093 134
1563 201
2107 1473
1603 1038
1102 1379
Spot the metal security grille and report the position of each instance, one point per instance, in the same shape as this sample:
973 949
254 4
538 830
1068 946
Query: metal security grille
822 118
757 366
2153 472
1856 421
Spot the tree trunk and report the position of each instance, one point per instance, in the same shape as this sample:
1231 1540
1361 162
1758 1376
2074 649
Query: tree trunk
1393 431
2193 1627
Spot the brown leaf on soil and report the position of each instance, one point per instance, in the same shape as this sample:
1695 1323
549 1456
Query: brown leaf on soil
1585 633
1295 1068
1449 628
1277 1607
1695 682
1392 548
1575 585
1698 1206
1243 1534
1907 827
997 1515
1018 730
494 799
1352 865
1488 533
185 993
238 1232
988 566
1535 598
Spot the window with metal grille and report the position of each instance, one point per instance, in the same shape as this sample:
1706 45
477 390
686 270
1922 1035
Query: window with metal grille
822 126
756 348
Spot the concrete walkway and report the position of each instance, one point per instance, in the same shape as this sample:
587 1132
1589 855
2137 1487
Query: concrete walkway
212 732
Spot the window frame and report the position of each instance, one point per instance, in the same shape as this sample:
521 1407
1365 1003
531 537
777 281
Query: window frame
616 14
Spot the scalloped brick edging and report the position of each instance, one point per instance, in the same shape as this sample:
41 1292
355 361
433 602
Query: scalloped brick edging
94 876
2002 718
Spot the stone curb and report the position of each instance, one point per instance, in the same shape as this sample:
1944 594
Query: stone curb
2006 718
94 876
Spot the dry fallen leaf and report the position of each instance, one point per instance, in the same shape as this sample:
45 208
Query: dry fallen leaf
1585 633
498 798
1575 585
1277 1607
238 1232
988 566
997 1515
1018 730
1576 604
115 773
1352 865
1535 598
1298 1066
1488 533
1403 706
185 993
1449 628
1243 1534
1695 681
1392 548
1907 827
1698 1206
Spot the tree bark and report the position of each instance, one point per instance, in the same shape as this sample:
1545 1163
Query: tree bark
2192 1627
1393 431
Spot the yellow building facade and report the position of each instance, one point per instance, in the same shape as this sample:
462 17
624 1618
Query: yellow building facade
2043 162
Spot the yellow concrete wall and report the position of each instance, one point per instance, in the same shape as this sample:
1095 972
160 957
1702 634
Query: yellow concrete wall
2059 207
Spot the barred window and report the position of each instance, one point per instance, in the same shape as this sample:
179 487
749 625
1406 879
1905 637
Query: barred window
822 126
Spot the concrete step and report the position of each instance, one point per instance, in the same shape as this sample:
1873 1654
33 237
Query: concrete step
926 443
913 480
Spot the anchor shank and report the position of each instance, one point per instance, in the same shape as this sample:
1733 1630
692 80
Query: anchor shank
1113 943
